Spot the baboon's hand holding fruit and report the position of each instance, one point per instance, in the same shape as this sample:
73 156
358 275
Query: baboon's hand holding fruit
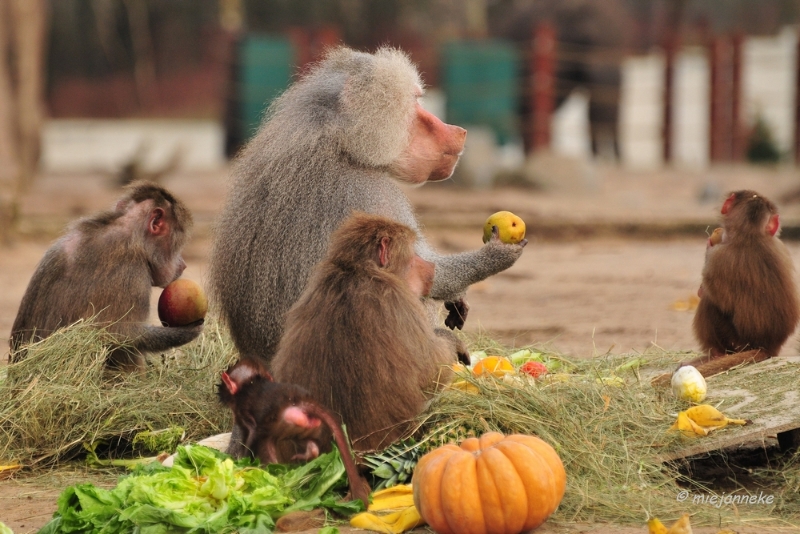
510 228
182 302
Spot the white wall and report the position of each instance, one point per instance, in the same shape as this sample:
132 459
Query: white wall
768 83
571 134
641 111
769 70
76 145
691 108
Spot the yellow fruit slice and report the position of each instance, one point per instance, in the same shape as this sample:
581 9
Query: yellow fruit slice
493 365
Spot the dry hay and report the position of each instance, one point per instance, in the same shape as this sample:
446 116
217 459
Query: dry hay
62 398
609 437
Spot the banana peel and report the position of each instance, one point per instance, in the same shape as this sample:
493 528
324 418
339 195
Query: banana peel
708 416
406 518
399 496
701 420
681 526
466 386
686 425
654 526
393 523
8 470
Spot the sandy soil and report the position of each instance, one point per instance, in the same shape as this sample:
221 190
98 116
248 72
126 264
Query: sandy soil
579 295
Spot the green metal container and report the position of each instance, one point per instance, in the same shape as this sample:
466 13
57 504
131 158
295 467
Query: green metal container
262 70
481 81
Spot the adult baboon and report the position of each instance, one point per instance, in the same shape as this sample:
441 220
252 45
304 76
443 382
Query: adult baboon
337 141
104 267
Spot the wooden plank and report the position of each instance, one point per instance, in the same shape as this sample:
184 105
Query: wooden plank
766 393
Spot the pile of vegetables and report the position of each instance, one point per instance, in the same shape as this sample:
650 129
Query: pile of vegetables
204 491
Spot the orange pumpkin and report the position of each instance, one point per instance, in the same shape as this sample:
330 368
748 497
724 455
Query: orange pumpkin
492 484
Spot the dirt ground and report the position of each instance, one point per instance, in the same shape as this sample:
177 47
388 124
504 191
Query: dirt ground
583 286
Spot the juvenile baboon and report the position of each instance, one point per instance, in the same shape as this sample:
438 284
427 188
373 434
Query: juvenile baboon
104 267
337 141
749 304
281 423
359 338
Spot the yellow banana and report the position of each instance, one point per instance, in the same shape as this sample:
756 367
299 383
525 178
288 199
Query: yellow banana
370 521
400 496
654 526
399 489
681 526
465 386
707 415
393 523
390 503
409 518
685 424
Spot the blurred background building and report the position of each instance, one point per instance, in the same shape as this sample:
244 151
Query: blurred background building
134 86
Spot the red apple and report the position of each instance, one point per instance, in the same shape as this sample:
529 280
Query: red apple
182 302
534 369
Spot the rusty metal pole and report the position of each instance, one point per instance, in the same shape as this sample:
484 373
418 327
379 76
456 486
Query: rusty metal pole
301 44
737 129
671 46
542 95
720 127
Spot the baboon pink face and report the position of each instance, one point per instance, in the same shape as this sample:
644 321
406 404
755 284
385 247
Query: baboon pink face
433 150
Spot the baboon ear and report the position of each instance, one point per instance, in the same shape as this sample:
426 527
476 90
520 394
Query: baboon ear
383 252
726 206
157 224
773 224
232 387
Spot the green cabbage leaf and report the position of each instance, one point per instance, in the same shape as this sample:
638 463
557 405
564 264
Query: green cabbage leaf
204 491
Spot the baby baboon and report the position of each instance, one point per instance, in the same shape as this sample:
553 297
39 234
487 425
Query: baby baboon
337 141
749 304
104 266
281 423
359 338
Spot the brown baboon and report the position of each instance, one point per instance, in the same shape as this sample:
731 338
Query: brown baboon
337 141
104 267
359 338
749 304
281 423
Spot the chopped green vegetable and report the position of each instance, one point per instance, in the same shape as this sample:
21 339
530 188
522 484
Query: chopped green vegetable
525 355
156 441
204 491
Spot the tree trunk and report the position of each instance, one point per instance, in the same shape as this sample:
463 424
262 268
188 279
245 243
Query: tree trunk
9 167
22 38
29 24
